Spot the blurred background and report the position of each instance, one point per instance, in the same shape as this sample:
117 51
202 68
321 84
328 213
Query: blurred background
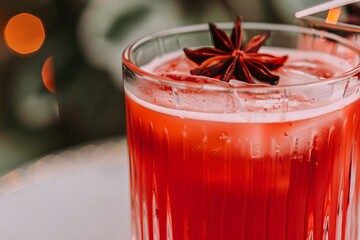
60 63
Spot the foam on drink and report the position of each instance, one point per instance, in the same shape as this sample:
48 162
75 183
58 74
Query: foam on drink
302 67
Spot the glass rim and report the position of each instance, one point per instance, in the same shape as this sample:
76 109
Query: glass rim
126 56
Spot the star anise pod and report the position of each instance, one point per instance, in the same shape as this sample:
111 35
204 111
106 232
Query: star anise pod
230 60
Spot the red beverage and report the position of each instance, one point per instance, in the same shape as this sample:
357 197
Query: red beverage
213 164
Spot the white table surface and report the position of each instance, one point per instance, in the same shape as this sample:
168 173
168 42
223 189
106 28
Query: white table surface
75 194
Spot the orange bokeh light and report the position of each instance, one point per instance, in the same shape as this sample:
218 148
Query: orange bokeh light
47 74
24 33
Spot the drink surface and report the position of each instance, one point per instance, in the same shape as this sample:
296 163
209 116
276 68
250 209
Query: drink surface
289 172
301 68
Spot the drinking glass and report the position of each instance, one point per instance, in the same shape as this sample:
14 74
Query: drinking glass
210 161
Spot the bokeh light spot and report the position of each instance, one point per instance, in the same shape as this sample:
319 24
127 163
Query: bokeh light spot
47 74
24 33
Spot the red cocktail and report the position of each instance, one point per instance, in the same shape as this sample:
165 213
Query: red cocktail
211 160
